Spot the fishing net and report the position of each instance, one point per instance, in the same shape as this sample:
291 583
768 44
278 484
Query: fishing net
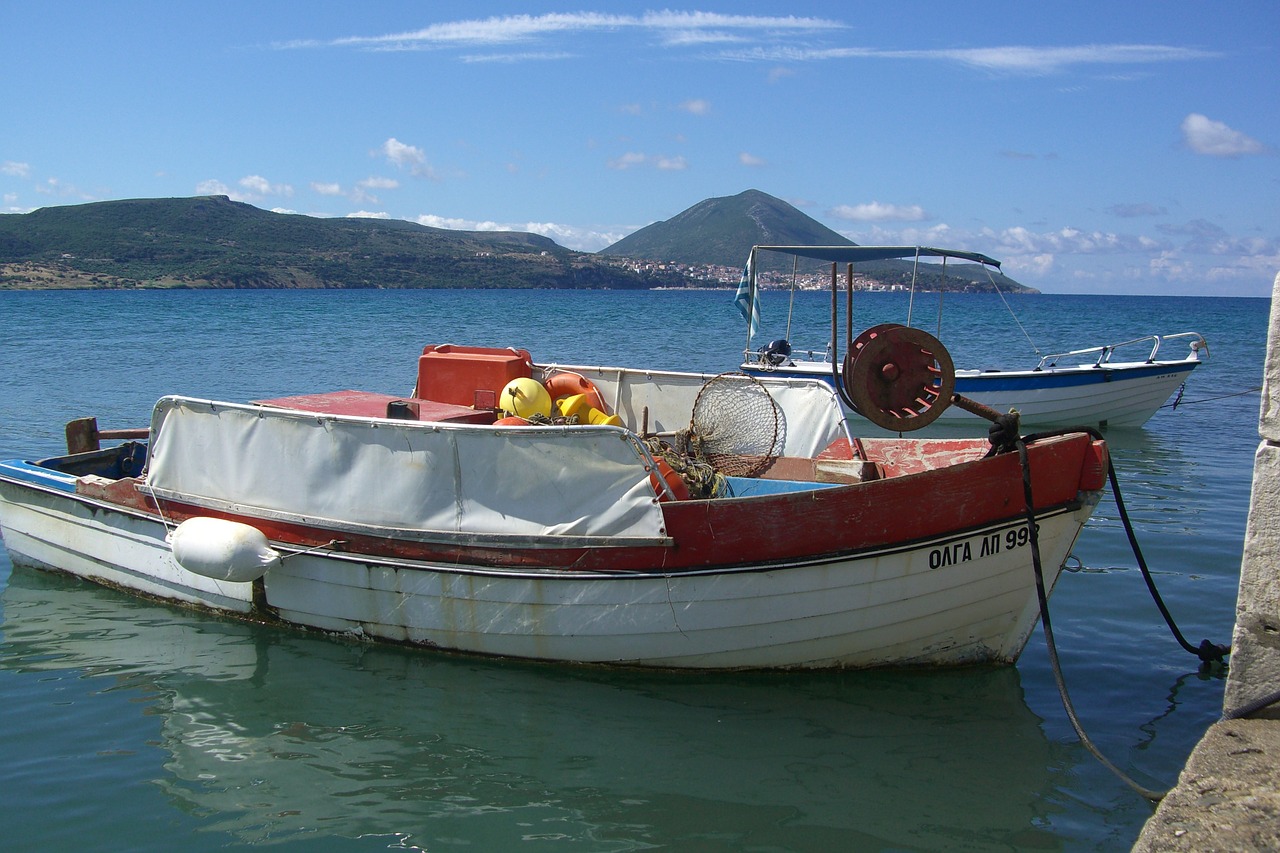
736 426
702 480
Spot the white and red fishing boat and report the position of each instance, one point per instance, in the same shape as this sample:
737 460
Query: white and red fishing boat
1111 385
648 518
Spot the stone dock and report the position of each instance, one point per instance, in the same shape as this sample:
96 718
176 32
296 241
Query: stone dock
1228 796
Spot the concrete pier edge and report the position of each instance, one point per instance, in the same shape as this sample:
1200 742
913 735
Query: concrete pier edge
1228 795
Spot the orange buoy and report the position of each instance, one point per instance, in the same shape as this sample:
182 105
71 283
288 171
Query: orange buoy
511 420
566 384
673 480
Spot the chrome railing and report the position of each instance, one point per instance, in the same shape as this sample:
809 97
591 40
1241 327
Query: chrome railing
1104 353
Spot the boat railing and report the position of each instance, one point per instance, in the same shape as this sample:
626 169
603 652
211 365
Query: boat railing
1104 353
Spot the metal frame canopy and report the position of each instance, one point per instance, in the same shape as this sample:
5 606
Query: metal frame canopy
854 254
746 296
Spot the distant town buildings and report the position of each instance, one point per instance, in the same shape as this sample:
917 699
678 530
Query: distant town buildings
716 275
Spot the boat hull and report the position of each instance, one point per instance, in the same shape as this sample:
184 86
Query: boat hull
50 529
957 598
900 607
1117 395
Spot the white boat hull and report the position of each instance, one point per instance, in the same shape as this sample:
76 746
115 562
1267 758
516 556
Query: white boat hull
944 602
1118 395
48 530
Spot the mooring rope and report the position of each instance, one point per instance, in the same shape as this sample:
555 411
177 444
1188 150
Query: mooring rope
1207 652
1054 663
1178 401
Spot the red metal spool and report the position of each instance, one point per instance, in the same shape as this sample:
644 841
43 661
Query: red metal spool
899 378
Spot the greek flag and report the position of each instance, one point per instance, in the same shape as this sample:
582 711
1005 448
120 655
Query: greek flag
745 299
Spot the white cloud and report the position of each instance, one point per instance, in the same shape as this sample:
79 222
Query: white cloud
361 193
696 106
403 155
367 214
17 170
1203 135
628 161
877 212
1009 59
670 29
253 188
1183 256
636 159
689 38
747 159
570 236
454 224
58 188
512 58
1043 60
407 157
260 186
493 30
212 187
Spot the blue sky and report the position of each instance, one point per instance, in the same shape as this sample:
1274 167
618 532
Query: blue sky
1093 147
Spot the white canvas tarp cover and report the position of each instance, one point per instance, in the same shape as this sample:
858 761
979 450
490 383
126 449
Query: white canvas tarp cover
423 481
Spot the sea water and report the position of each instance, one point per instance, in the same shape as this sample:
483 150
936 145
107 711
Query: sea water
131 725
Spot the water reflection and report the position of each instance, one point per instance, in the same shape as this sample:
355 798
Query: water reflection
275 736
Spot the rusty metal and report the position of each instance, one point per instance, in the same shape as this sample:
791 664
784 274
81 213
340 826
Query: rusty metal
899 378
83 435
973 407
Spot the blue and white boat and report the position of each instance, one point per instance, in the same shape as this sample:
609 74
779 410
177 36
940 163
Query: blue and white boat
1113 385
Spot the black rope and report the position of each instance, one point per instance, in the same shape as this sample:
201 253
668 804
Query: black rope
1207 651
1003 434
1181 402
1054 663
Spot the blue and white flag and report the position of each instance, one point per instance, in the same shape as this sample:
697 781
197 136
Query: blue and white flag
748 304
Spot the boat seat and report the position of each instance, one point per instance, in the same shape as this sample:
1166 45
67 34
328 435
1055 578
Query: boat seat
748 487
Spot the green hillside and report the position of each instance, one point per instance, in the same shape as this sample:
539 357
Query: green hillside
723 230
212 241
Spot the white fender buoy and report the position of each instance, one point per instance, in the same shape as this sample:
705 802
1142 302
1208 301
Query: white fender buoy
222 550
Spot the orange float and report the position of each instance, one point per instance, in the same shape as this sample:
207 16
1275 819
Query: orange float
565 384
673 480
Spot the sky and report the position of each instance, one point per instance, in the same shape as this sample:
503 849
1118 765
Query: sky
1093 147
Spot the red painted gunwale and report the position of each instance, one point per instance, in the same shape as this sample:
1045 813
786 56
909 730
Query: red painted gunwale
770 530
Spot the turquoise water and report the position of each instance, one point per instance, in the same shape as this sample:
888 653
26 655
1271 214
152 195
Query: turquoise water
132 725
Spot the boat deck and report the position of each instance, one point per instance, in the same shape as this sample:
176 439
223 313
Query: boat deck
367 404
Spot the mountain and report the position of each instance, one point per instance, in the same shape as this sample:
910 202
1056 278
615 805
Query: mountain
211 241
723 230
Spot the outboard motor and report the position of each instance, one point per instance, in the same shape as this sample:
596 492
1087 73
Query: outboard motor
776 353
